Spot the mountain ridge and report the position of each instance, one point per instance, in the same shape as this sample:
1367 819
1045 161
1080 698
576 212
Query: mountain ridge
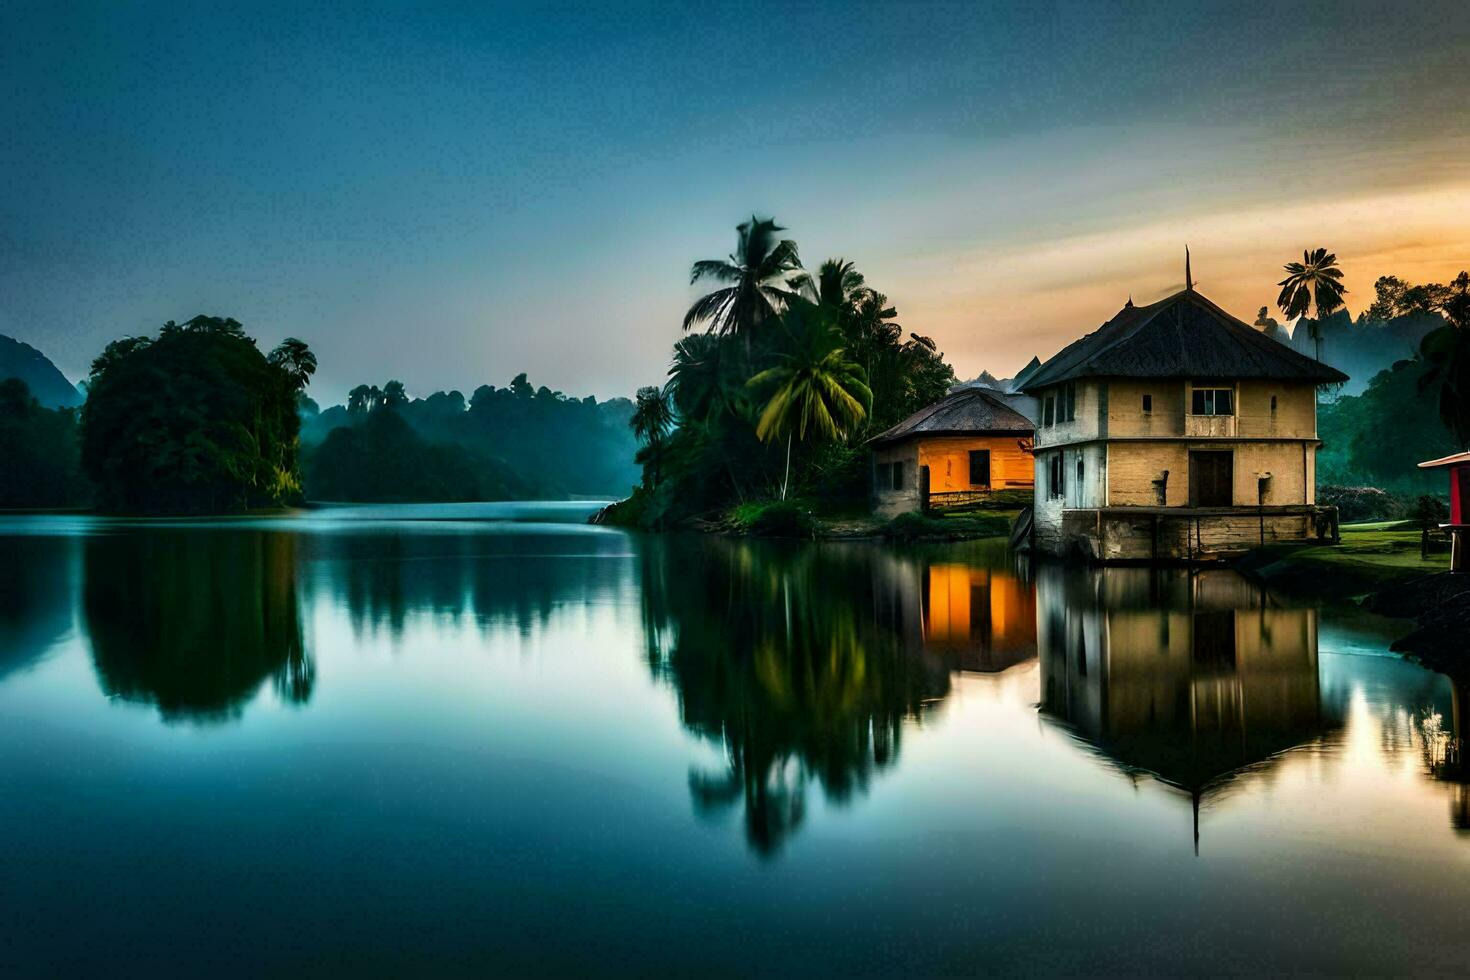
48 385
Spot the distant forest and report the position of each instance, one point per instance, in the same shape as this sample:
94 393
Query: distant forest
517 442
197 419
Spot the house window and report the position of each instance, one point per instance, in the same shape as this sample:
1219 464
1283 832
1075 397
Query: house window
1273 404
1057 482
1079 471
898 476
1048 411
1070 395
1213 401
980 468
1148 404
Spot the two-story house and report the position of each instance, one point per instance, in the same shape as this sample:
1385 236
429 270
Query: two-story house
1176 431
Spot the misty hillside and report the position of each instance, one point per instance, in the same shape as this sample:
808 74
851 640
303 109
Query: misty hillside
48 385
1360 350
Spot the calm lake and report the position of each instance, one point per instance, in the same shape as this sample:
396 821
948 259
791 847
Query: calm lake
429 740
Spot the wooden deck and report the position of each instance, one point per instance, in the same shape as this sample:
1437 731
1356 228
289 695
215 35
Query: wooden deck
1187 534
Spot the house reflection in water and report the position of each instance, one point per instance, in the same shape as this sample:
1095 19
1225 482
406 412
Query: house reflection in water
974 611
1194 677
978 618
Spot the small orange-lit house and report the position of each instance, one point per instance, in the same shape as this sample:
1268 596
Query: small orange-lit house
1459 467
973 441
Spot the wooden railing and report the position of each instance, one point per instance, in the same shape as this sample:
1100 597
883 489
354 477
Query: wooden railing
968 498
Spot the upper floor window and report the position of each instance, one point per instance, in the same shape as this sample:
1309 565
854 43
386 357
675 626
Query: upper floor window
1048 410
1213 401
1273 404
1148 404
1068 406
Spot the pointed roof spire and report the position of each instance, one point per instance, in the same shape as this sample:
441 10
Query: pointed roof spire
1129 305
1188 278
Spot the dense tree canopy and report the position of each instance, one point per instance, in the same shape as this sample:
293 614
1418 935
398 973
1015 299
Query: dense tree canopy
518 440
383 459
820 357
41 466
197 420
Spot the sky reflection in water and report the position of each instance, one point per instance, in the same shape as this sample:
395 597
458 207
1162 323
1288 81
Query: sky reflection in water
353 740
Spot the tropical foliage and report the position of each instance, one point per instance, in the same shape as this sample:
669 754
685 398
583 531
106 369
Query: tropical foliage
756 282
194 420
792 665
1446 354
792 374
815 391
1415 410
653 417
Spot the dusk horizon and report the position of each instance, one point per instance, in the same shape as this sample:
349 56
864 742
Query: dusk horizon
493 187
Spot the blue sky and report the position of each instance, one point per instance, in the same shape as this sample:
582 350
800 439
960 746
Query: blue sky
453 194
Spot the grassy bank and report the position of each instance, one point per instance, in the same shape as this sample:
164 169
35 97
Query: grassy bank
811 518
1370 557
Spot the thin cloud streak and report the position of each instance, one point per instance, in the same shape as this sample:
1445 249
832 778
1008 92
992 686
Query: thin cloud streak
995 307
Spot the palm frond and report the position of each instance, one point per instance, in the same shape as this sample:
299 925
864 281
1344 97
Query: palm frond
711 308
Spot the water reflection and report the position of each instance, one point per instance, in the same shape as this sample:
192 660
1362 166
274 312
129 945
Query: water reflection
36 585
1195 678
1443 745
195 623
793 662
486 701
500 580
978 615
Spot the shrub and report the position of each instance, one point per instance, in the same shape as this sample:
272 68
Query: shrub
779 519
1429 511
1356 504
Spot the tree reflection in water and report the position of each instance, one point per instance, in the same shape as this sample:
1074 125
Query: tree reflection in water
195 623
36 583
1444 748
500 581
793 661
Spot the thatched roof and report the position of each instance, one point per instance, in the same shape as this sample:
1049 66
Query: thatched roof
1183 336
967 411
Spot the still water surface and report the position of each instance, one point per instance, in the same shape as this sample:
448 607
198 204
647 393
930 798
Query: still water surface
409 740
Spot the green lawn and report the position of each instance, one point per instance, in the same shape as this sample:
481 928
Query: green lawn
1369 557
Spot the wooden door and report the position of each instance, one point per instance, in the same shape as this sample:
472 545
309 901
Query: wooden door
980 469
1211 478
923 488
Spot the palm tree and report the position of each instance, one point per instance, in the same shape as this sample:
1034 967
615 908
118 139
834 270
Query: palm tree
758 280
1315 281
653 417
700 380
362 399
296 359
817 389
871 328
1446 352
840 286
